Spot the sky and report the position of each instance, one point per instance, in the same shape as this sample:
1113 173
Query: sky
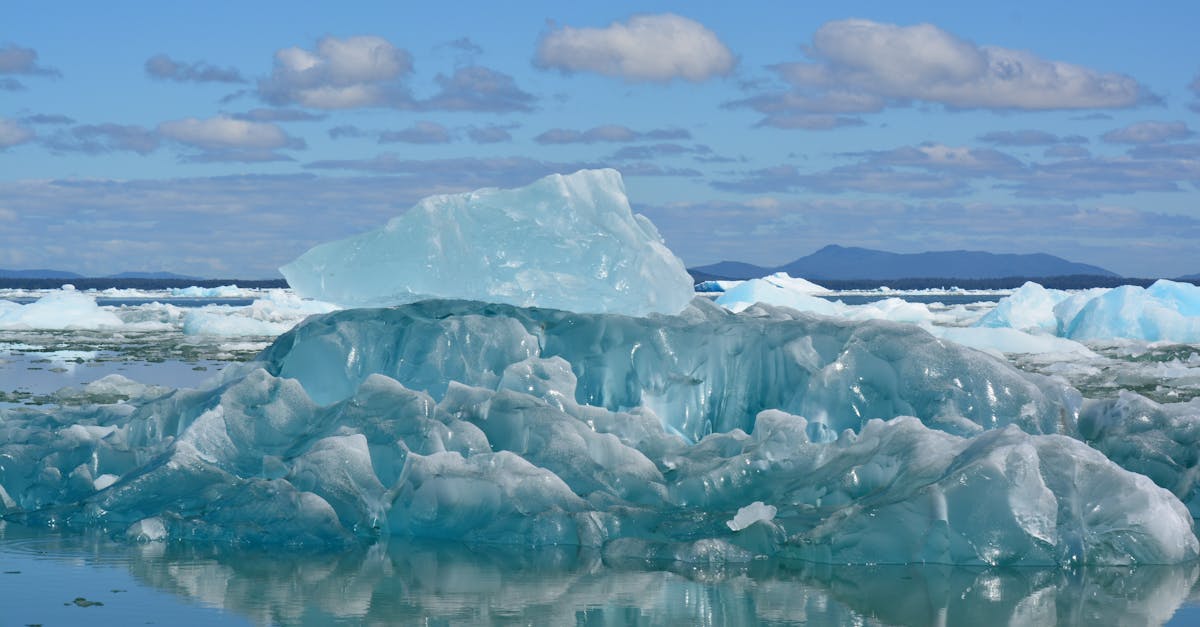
223 139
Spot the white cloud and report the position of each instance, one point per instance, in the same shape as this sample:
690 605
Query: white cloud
223 133
861 66
645 48
1148 133
924 62
12 134
361 71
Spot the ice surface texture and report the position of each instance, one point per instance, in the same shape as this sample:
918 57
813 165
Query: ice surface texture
565 241
703 371
1165 311
642 437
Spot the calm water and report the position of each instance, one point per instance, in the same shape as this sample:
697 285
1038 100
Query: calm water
42 574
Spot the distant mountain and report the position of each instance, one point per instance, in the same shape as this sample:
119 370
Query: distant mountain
42 273
39 273
730 270
1190 277
849 263
151 275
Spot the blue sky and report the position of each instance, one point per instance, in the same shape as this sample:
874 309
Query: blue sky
223 139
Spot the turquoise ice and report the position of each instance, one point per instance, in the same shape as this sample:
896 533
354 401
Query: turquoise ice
565 241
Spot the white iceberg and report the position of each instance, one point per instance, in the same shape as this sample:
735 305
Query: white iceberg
565 241
1166 311
58 310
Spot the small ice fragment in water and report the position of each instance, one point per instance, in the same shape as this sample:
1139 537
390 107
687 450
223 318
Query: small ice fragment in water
751 514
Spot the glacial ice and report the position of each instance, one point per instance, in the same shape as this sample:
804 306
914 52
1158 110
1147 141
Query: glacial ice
565 241
61 309
703 371
1165 311
641 436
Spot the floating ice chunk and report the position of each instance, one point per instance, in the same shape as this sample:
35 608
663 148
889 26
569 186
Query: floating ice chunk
61 309
568 242
750 514
1166 311
748 293
1028 308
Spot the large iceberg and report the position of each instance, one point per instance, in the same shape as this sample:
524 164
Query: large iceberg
565 241
1166 311
643 437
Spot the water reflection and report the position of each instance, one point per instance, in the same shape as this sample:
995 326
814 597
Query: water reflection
451 584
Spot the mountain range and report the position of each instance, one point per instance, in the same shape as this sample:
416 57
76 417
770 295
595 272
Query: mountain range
850 263
42 273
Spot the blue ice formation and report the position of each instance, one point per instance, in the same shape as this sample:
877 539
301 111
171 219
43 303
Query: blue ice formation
565 241
644 437
1160 441
1165 311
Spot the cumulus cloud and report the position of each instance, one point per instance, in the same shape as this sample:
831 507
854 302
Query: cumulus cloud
1148 133
361 71
104 138
12 133
164 68
477 88
657 48
862 66
423 132
223 138
367 71
609 133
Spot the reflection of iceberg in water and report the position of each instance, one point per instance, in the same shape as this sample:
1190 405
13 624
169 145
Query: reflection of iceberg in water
445 583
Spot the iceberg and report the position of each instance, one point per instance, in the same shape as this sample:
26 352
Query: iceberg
565 241
1166 311
58 310
638 436
703 371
